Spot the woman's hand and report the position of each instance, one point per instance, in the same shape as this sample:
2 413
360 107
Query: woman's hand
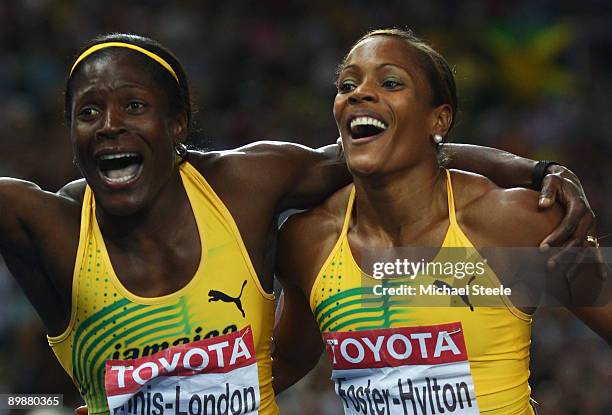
563 186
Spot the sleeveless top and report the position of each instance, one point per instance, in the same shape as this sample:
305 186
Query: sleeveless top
204 348
416 352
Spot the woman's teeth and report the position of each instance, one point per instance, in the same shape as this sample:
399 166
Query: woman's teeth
368 121
120 167
366 126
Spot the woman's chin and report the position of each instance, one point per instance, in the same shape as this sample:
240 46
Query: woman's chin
364 166
121 204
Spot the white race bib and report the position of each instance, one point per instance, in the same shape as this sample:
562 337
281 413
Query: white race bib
410 370
212 376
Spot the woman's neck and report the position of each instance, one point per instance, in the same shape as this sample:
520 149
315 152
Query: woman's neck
158 221
398 206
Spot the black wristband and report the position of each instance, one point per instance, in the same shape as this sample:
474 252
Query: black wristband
539 171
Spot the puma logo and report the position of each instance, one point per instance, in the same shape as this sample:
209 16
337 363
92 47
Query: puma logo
221 296
465 298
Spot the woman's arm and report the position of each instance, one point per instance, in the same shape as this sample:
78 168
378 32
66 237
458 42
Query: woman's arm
590 283
305 177
75 190
309 176
507 218
16 198
302 242
599 319
559 185
38 237
297 341
505 169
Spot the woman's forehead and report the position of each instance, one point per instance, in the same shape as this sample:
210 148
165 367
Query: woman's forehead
382 49
115 66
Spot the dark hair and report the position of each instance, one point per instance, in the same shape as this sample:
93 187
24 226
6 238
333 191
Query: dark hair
438 72
179 94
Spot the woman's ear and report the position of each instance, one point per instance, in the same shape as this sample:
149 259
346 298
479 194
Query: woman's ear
443 119
178 128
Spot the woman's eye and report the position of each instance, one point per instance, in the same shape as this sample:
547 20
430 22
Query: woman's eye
391 83
346 86
88 113
135 106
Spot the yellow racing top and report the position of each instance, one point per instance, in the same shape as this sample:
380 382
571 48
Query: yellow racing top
205 347
393 354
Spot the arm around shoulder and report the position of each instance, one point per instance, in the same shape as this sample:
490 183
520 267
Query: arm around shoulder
301 176
510 217
515 221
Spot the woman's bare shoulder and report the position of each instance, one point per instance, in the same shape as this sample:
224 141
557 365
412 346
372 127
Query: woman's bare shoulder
501 217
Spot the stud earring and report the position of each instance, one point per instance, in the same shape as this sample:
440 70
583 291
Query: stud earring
181 150
437 138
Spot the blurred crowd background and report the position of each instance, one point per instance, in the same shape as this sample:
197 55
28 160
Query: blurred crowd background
534 78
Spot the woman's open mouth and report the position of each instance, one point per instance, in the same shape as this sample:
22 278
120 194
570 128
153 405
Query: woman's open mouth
365 128
120 169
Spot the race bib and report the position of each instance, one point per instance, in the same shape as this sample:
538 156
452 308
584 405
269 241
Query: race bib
212 376
409 370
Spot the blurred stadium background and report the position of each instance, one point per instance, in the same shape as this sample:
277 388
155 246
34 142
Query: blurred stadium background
534 78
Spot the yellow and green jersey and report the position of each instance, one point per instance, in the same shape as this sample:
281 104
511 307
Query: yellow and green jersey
393 354
208 342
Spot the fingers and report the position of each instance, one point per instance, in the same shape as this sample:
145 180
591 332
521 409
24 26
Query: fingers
579 259
577 220
559 235
565 254
578 238
586 226
550 186
583 248
563 186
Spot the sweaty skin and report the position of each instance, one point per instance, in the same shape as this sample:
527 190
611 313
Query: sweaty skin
254 198
401 198
148 225
306 239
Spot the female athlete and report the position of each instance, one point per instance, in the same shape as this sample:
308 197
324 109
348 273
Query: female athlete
422 342
154 280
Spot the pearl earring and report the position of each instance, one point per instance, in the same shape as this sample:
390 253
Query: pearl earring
437 138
